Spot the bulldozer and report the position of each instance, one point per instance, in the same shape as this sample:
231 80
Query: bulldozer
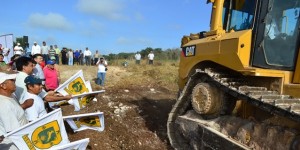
239 82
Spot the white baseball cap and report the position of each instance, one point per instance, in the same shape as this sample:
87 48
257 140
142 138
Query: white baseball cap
5 76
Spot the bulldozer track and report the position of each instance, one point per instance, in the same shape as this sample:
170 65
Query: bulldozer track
268 100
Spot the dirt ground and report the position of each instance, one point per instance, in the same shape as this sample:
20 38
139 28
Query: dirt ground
135 110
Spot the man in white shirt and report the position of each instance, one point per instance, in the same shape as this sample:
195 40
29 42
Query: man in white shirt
151 57
35 49
137 58
45 51
102 68
25 67
87 56
18 49
12 116
38 70
34 87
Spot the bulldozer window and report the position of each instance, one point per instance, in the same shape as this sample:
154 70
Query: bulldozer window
281 33
238 14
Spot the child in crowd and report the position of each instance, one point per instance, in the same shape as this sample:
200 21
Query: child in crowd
34 87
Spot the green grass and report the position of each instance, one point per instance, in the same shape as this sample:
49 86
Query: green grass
162 73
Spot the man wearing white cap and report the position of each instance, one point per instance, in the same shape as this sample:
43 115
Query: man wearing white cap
18 49
35 49
12 116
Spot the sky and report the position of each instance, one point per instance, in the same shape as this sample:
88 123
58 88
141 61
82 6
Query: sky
110 26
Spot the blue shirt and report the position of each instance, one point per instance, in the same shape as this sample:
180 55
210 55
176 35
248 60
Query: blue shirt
76 54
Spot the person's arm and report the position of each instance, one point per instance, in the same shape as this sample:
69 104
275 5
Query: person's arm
27 103
105 63
98 62
52 97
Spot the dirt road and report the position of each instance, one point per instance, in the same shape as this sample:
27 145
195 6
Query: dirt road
136 106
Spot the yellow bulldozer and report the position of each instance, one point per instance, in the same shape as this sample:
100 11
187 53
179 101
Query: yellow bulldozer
240 81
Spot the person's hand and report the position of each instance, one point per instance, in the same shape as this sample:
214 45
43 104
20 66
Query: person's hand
68 97
51 92
58 94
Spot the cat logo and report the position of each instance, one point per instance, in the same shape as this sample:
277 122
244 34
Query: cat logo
76 87
91 121
44 136
189 50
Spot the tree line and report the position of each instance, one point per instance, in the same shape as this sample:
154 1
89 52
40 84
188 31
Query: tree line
159 53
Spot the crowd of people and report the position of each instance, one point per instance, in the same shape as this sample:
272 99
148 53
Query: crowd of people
44 56
67 56
23 97
28 81
138 57
29 78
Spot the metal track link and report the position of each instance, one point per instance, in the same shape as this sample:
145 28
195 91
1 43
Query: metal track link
271 101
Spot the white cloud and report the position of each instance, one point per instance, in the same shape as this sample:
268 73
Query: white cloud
48 21
111 9
139 16
123 40
97 25
136 41
92 28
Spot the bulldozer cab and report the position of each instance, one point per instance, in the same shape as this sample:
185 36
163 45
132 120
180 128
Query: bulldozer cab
276 35
275 27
